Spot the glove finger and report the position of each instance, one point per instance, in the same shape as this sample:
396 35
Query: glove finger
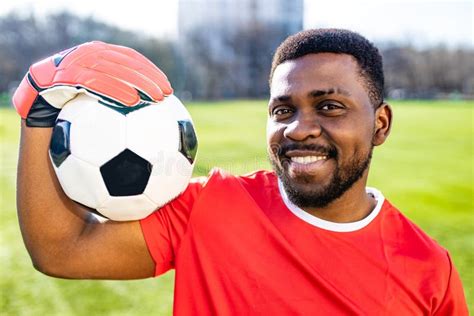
133 54
92 53
131 76
130 58
129 52
72 55
45 71
110 87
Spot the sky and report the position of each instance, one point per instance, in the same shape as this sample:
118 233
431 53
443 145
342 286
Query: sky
420 22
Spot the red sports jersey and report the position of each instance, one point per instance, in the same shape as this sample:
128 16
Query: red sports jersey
240 247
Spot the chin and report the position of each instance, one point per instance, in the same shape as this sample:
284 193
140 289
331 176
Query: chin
307 184
305 191
321 189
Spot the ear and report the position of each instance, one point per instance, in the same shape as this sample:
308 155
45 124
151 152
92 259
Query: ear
383 124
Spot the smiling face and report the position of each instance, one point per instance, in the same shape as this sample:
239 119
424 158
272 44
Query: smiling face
322 127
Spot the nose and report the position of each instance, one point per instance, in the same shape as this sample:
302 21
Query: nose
302 128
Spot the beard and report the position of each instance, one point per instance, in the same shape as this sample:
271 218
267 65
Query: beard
304 192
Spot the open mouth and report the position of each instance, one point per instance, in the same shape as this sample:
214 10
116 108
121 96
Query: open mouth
306 162
308 159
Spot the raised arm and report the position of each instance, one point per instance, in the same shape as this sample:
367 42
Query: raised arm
62 237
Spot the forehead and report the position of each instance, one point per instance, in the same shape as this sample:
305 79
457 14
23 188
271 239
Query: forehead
320 71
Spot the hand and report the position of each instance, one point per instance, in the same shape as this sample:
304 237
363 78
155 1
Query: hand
110 72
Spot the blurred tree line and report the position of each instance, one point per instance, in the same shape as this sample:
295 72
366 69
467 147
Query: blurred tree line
25 39
234 66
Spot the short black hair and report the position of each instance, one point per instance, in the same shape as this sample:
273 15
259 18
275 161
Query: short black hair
338 41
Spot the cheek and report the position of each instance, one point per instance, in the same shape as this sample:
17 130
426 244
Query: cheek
274 132
274 136
351 137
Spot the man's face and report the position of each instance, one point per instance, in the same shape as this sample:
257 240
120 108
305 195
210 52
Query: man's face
321 127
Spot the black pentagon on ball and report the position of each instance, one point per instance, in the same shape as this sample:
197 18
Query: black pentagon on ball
188 140
126 174
59 148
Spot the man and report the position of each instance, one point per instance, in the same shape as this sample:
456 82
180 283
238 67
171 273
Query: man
306 239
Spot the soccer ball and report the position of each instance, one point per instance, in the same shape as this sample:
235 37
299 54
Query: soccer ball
123 162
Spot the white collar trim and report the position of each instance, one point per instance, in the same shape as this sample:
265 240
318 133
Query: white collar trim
332 226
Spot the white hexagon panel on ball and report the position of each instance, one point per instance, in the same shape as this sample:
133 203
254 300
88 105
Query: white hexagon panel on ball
127 208
82 181
151 130
98 133
169 177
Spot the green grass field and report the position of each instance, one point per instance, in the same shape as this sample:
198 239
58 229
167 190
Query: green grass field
425 168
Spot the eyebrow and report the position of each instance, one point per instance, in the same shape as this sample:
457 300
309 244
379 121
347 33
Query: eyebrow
282 98
314 94
320 93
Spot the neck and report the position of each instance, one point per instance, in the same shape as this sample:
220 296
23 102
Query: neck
354 205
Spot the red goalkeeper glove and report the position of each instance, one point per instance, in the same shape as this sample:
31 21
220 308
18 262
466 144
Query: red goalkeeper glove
116 74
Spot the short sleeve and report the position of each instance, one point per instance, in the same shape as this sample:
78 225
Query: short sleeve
164 228
454 301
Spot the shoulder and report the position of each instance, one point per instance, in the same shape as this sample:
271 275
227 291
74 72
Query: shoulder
261 185
254 178
410 241
259 178
412 252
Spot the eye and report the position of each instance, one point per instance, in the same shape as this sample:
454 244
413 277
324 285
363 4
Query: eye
281 112
331 108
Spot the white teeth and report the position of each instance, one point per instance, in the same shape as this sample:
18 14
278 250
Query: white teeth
307 159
